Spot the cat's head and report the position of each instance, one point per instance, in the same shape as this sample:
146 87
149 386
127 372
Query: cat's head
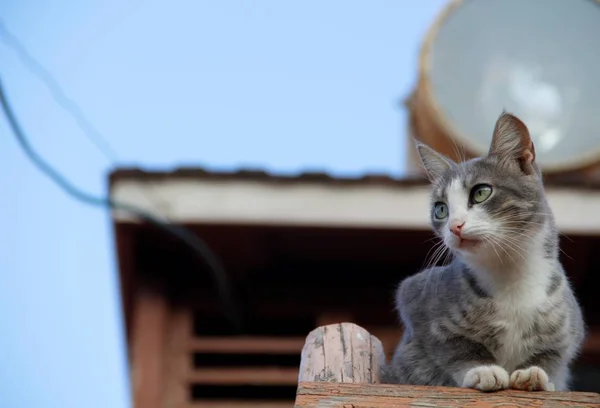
492 206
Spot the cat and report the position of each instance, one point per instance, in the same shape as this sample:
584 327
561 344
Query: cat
502 314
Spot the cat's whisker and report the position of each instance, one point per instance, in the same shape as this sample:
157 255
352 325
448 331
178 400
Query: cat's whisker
432 253
537 240
436 248
502 248
514 246
562 234
437 255
517 218
510 242
440 251
440 248
432 239
518 231
564 253
487 239
515 236
448 254
520 211
457 151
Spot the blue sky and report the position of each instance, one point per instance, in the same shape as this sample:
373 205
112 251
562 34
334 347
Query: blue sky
285 86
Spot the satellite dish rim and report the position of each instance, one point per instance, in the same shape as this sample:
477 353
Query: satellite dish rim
423 94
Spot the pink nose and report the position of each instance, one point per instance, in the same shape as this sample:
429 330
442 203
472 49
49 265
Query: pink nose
456 228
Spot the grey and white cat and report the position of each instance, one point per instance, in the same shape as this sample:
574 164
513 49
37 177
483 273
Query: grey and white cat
502 314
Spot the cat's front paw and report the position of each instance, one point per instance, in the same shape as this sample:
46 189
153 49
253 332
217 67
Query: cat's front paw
530 379
486 378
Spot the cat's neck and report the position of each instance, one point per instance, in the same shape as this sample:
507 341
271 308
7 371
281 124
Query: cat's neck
522 267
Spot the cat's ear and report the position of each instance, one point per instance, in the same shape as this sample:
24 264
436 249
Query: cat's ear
512 144
435 163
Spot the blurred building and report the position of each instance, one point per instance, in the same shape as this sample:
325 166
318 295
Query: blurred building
298 252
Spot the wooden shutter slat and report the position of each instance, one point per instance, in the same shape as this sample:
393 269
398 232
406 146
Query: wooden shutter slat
244 376
247 344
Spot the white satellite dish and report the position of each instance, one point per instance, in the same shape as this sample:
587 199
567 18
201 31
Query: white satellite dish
538 59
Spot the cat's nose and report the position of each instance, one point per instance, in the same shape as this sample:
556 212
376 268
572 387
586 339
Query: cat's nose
456 228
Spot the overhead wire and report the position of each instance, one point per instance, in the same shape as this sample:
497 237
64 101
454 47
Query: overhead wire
195 243
66 103
57 93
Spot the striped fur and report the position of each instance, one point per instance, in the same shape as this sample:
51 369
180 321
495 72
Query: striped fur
502 314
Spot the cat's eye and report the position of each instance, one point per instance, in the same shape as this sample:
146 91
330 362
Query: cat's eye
480 193
440 211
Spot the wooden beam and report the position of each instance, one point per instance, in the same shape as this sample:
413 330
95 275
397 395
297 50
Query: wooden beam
320 394
148 349
125 248
341 352
178 361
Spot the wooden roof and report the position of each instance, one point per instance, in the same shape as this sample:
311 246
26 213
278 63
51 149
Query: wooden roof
199 196
249 174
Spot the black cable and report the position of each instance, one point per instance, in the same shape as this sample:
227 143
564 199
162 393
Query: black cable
57 93
200 248
59 96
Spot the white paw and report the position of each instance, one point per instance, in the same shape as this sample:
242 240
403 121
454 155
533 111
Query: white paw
486 378
530 379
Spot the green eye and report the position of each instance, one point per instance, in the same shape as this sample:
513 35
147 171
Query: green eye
480 193
440 211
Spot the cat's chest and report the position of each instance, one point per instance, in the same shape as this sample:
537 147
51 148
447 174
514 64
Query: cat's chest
515 310
514 320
